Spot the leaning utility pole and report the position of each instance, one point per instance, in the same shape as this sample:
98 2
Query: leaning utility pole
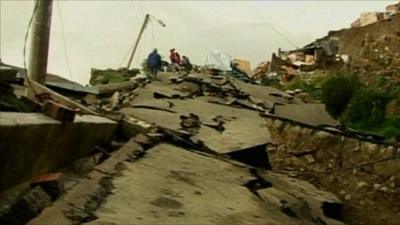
146 20
40 36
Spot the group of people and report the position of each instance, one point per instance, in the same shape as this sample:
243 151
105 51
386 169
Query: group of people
179 63
155 63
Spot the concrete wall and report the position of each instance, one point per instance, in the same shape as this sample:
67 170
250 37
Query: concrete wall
320 151
333 162
32 144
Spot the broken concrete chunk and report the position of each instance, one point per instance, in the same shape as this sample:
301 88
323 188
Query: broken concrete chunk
190 123
52 184
27 207
290 92
114 101
169 93
191 87
320 205
142 139
217 123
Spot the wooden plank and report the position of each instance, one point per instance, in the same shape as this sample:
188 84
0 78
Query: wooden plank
35 88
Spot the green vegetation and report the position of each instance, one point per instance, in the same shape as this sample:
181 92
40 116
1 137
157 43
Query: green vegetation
271 82
366 111
337 91
367 107
112 76
360 107
313 86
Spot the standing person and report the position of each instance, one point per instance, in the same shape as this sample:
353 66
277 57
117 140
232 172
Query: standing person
175 58
154 63
187 66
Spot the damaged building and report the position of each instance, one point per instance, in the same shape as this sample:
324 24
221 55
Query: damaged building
320 54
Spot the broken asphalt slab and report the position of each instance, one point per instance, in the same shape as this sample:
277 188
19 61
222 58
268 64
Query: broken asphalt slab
171 185
243 128
33 144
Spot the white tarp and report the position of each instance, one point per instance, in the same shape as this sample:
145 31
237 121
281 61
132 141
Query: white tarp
218 60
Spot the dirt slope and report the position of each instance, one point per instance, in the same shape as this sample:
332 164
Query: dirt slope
374 49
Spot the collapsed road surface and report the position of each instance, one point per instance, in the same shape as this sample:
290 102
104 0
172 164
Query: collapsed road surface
171 185
199 157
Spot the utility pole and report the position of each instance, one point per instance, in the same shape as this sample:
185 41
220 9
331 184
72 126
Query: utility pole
146 20
40 36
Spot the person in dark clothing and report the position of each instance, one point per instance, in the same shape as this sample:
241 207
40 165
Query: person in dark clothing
187 66
154 63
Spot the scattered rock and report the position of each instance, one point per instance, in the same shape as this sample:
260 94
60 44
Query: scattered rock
190 123
362 184
310 159
383 189
377 186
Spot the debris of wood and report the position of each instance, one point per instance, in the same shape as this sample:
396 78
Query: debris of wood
36 88
58 112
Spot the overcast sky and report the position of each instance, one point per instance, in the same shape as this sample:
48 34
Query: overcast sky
100 33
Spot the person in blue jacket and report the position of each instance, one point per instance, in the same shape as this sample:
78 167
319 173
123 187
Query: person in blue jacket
154 63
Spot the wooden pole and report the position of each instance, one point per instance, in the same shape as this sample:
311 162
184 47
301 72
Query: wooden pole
39 48
146 20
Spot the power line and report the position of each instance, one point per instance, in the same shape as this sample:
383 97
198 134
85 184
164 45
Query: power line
64 40
25 41
135 9
152 33
269 24
126 55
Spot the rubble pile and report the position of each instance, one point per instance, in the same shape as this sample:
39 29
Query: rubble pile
373 49
380 57
195 106
214 120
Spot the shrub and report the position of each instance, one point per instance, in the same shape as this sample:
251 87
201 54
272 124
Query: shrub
337 91
297 83
391 128
367 108
310 87
115 76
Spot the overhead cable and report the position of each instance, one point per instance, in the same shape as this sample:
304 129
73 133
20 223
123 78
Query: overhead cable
272 27
64 40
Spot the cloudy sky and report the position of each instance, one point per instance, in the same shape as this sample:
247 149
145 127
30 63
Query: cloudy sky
100 33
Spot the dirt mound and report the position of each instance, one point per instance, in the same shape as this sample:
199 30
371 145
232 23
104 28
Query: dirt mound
374 49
